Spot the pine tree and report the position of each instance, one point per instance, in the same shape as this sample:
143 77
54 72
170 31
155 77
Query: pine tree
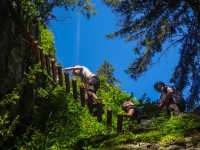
154 23
106 69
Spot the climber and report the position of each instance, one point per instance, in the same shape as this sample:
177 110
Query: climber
134 113
170 98
91 81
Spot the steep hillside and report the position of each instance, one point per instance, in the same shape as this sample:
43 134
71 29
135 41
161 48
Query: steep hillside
37 112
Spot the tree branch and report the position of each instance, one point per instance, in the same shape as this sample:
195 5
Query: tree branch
195 7
47 10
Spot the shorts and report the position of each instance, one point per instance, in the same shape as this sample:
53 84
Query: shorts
93 85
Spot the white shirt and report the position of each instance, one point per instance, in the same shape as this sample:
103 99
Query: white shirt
85 74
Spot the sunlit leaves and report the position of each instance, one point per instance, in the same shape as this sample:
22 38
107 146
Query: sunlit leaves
42 9
47 41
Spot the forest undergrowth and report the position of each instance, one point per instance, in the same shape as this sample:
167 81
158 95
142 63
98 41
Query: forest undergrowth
59 122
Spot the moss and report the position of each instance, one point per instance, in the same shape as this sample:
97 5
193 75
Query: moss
195 139
164 132
180 140
116 141
198 145
171 139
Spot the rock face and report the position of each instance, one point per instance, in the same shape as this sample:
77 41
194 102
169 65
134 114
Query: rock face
14 61
12 52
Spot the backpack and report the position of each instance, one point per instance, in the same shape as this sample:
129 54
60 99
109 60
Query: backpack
178 100
176 97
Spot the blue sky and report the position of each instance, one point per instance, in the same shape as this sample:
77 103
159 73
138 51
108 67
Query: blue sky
82 42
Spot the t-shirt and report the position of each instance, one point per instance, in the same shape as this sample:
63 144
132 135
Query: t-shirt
85 74
138 114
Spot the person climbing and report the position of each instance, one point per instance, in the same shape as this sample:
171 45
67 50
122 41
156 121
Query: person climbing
170 98
91 80
134 113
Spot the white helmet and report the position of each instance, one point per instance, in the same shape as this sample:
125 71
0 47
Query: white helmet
128 103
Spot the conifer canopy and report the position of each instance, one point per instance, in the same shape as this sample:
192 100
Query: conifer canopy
155 23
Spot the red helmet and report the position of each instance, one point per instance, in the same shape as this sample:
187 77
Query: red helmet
128 103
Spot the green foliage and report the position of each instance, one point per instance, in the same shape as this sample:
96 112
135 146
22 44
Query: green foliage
163 131
7 127
35 141
59 122
117 140
149 108
113 98
31 7
171 137
9 120
179 126
47 41
106 70
15 94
